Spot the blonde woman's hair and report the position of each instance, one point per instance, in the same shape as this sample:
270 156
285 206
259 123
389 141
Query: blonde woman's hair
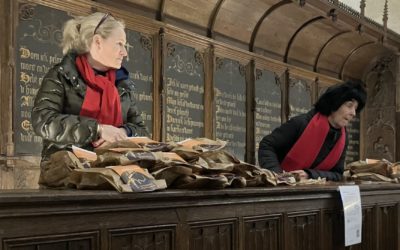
78 32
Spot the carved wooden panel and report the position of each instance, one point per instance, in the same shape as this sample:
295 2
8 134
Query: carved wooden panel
332 225
282 218
263 233
155 237
368 237
380 84
380 133
380 112
213 235
303 231
71 241
387 216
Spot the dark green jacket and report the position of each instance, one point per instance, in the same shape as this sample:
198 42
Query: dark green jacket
55 115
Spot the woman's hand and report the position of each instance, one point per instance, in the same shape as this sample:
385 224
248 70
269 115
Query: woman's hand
300 175
110 134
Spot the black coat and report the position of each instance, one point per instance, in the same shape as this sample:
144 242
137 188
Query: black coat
55 115
274 147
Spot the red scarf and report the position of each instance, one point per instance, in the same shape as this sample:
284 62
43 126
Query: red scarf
307 147
102 99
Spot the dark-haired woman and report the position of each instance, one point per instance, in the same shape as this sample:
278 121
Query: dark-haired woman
314 144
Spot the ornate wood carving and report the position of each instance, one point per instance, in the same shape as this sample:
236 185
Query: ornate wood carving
213 235
170 49
242 70
82 240
146 42
26 11
368 230
219 62
155 237
385 217
332 223
263 233
302 228
301 217
380 111
258 74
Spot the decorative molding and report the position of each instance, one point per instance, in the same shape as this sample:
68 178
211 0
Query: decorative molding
380 122
170 49
213 17
146 42
219 62
258 74
278 80
147 237
301 3
26 11
333 15
362 8
242 69
360 28
198 57
383 64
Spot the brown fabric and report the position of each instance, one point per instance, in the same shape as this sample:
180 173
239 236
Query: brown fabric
130 166
189 155
97 179
55 172
203 144
129 178
380 167
394 170
125 144
378 170
195 181
151 145
171 173
372 177
138 178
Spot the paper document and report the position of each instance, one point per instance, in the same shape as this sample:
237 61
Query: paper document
352 214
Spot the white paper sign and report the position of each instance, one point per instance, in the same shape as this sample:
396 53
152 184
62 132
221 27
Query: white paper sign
352 214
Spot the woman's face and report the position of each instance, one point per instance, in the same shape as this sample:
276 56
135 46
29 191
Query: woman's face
110 51
342 117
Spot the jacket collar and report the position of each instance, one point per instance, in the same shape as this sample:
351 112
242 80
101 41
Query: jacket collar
67 67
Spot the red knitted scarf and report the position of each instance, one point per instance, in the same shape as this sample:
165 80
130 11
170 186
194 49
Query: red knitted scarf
102 99
307 147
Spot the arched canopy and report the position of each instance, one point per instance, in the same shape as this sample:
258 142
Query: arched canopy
315 35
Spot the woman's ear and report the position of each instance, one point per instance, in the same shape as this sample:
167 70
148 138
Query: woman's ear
97 39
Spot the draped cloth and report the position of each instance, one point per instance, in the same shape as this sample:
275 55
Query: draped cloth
306 149
102 100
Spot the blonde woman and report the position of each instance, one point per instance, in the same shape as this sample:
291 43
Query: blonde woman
86 99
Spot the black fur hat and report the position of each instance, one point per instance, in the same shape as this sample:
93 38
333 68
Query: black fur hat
336 95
